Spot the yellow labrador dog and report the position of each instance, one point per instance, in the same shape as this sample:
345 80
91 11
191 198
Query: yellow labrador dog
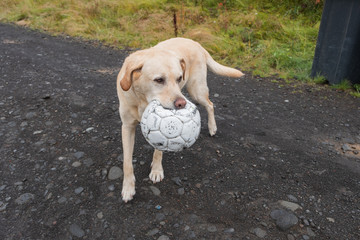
160 73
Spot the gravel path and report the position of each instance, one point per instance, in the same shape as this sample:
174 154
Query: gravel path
285 163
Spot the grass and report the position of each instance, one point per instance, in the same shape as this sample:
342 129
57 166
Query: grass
266 37
343 85
347 86
318 79
356 93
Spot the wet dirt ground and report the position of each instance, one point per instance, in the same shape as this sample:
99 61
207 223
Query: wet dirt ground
285 163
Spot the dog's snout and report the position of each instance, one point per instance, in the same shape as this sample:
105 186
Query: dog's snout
180 103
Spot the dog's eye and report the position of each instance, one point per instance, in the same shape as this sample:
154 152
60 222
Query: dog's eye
179 79
159 80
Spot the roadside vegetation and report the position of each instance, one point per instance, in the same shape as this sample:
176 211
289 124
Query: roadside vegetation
266 37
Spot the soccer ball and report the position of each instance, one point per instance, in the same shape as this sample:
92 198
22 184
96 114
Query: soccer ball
170 129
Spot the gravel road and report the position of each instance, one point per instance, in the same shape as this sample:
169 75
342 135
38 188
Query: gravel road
285 163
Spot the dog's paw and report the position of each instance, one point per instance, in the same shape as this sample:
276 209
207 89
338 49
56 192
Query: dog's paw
156 175
212 127
127 194
128 190
212 131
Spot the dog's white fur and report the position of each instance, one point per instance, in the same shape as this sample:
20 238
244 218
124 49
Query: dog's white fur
160 73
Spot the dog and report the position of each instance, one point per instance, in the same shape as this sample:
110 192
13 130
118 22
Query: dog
160 72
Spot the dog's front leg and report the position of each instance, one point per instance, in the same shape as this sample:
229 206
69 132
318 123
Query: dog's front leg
128 141
157 172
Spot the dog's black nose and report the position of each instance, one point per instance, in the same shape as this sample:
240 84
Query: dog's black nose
180 103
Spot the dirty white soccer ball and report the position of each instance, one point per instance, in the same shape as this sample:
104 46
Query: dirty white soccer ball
170 129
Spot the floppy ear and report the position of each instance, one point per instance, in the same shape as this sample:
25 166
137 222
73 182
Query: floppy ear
132 66
183 66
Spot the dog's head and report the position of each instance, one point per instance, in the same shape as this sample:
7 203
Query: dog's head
155 74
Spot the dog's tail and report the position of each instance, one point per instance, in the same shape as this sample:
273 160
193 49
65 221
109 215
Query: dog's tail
217 68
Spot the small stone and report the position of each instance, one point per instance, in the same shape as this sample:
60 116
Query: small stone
30 115
216 95
79 190
24 198
192 235
330 219
115 173
152 232
160 217
259 232
289 205
3 206
229 230
76 230
111 187
163 237
206 181
48 196
89 129
62 200
76 164
176 180
305 237
310 232
290 237
306 222
181 191
88 162
212 228
292 198
79 155
346 148
99 215
104 172
264 224
284 219
39 143
19 183
42 150
155 190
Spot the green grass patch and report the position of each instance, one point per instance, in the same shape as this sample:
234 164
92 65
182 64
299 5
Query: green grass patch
318 79
356 92
343 85
346 86
267 37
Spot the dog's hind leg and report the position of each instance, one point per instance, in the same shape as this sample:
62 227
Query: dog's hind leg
199 91
205 101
